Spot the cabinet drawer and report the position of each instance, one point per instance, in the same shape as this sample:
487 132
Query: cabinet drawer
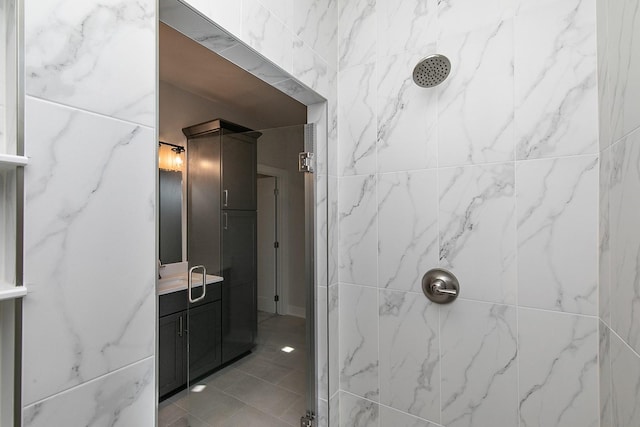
177 301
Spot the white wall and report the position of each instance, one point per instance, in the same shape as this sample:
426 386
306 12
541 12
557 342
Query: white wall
492 175
279 148
619 101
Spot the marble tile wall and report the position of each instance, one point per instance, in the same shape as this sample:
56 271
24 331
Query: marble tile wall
619 240
90 213
493 175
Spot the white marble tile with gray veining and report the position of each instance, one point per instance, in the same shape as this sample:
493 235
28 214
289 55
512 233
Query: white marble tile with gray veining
625 239
624 66
297 91
359 340
462 16
604 236
558 369
252 62
407 228
409 354
357 412
75 50
358 230
625 390
72 226
333 308
357 120
475 103
406 117
477 230
407 26
195 25
391 417
310 68
604 374
322 342
226 14
334 410
122 399
356 33
321 231
604 44
557 202
556 92
265 33
282 10
479 364
332 227
316 23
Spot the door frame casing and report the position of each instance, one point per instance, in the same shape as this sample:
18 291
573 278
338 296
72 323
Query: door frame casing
282 265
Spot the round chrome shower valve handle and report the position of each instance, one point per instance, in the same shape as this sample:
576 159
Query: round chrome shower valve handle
440 286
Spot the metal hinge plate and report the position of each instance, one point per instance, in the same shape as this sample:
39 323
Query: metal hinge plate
308 420
276 298
305 162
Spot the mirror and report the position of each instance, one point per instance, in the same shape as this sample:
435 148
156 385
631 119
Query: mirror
170 212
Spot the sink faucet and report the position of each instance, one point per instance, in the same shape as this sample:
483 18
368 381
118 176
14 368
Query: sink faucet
160 267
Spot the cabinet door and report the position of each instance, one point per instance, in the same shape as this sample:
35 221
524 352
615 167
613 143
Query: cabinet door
239 316
172 353
239 169
204 339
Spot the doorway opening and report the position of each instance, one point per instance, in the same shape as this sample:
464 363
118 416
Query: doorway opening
272 378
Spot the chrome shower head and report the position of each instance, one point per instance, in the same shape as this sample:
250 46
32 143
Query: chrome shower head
431 71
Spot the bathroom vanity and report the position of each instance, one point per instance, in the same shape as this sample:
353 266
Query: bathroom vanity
180 357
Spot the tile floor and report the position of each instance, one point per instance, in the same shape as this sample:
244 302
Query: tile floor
264 389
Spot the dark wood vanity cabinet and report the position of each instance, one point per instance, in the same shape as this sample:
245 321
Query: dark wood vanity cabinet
222 222
190 338
172 353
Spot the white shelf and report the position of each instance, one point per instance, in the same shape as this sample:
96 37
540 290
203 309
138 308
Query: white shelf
10 291
10 161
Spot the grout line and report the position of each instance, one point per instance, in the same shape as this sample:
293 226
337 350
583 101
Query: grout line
90 112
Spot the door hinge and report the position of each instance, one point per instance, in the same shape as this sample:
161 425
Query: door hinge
305 162
308 420
276 245
276 298
276 191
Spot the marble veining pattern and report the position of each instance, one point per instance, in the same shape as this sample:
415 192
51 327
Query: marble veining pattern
409 354
477 230
623 31
123 399
391 417
557 234
356 32
74 51
479 364
407 236
408 26
475 103
358 230
358 412
625 391
462 16
625 239
265 33
359 340
555 93
558 380
604 236
68 239
604 374
357 121
316 23
406 117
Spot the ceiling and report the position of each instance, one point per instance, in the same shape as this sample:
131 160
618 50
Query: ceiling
194 68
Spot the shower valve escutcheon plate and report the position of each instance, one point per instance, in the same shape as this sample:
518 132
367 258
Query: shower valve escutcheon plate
440 286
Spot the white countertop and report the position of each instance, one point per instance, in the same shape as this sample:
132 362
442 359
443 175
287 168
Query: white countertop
178 282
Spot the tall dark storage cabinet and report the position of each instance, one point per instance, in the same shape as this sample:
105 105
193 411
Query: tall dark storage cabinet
222 222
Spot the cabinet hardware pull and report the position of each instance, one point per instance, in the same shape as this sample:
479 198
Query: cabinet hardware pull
225 198
224 215
180 331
